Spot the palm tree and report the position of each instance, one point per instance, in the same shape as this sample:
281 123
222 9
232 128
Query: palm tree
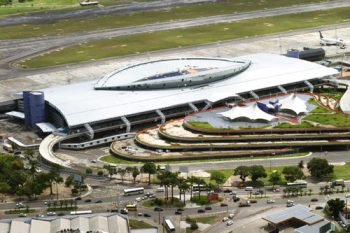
321 189
135 173
310 191
34 164
164 178
122 173
183 187
200 183
192 180
173 182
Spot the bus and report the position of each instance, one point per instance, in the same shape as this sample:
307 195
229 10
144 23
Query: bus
200 187
81 212
298 184
169 226
131 207
133 191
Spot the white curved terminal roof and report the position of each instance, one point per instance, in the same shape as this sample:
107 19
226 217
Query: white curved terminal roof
80 103
252 112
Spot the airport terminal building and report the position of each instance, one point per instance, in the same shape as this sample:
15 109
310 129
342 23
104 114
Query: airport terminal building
152 92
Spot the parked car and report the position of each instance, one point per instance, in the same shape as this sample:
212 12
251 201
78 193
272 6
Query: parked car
314 199
225 219
229 223
51 214
208 208
319 207
223 204
158 209
230 216
200 211
270 201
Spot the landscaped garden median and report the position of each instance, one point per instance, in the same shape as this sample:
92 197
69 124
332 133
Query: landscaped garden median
144 42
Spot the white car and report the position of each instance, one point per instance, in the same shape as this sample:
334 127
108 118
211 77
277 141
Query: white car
139 214
138 199
225 219
230 216
229 223
51 214
270 201
22 215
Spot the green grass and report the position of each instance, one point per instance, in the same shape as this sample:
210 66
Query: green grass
18 211
139 43
45 5
285 125
112 159
342 172
206 219
138 224
145 17
336 119
334 93
202 125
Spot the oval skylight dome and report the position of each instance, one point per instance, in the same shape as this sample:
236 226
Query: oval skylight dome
171 73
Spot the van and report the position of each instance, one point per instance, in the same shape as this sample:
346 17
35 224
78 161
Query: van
248 188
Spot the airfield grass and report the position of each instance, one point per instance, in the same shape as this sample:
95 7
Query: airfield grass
45 5
138 18
139 43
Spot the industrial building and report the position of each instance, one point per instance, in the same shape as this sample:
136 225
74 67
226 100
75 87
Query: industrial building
300 218
113 223
108 104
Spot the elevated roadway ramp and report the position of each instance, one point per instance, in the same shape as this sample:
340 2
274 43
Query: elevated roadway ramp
46 150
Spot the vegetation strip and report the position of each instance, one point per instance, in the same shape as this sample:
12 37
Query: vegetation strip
138 43
114 21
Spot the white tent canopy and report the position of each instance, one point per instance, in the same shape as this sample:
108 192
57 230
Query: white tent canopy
294 103
252 112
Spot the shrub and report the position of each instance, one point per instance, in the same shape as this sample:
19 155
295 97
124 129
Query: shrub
88 170
100 173
74 191
202 200
194 226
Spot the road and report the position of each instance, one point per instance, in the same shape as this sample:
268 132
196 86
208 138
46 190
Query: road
13 50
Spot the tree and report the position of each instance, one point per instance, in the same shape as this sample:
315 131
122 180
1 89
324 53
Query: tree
256 172
164 178
292 173
183 187
135 173
243 172
192 180
335 206
320 168
111 170
88 170
301 164
275 178
149 168
174 180
121 172
218 177
54 176
69 180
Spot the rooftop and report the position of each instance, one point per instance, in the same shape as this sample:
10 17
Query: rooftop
90 105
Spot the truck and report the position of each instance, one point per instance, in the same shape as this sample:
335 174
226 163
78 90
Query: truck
335 183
